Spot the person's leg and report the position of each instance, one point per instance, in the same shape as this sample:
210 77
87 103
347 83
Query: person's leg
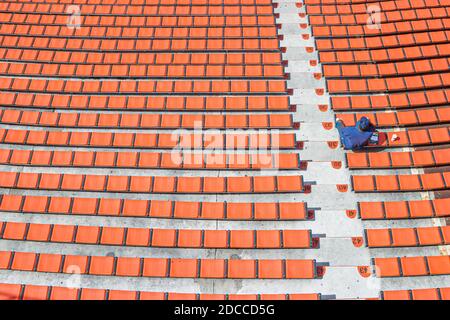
339 126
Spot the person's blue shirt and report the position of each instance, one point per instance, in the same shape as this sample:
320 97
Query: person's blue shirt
354 138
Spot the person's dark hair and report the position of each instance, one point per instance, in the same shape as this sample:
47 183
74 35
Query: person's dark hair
364 124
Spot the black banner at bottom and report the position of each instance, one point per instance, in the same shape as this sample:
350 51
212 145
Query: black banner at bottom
213 309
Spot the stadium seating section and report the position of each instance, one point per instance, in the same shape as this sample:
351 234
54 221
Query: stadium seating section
388 61
160 140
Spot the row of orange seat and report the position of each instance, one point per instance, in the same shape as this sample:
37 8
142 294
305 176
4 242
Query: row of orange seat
142 21
385 55
417 294
178 140
389 28
139 33
146 120
160 8
155 208
406 14
145 103
147 160
139 71
415 137
404 182
414 209
408 237
403 118
158 267
142 58
325 7
390 41
148 184
392 100
169 238
412 266
386 69
125 45
33 292
407 83
154 2
217 87
391 160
